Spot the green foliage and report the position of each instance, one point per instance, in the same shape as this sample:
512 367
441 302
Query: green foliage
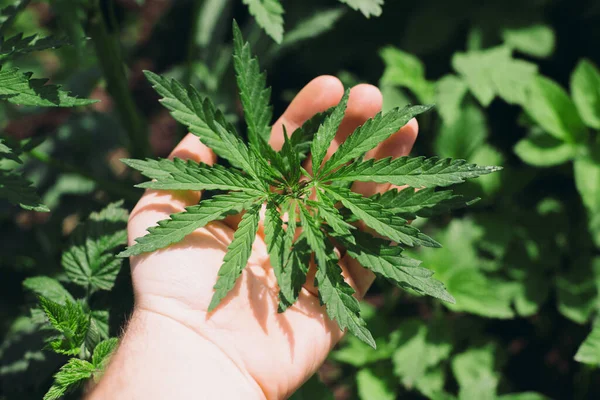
14 187
20 88
90 260
263 167
269 15
70 320
585 88
367 7
76 370
79 331
521 263
19 45
589 352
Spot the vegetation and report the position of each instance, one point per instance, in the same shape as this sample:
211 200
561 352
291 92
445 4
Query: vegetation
513 83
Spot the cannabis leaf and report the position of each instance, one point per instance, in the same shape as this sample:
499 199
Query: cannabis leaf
182 224
412 171
10 12
269 15
367 7
90 260
19 45
17 190
20 88
237 255
76 370
306 213
189 175
254 94
70 375
70 320
371 133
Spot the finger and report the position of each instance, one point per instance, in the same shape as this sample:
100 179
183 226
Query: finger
156 205
317 96
397 145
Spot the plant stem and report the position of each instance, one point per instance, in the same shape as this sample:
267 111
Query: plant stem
110 58
115 188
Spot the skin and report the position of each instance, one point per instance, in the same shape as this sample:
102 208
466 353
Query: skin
173 348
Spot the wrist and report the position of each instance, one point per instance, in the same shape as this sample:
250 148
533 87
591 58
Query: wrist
160 357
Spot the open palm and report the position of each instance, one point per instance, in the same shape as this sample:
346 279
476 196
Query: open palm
277 352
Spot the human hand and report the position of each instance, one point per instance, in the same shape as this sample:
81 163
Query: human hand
244 345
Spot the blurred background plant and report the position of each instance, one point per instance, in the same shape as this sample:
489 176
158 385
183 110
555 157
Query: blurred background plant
516 83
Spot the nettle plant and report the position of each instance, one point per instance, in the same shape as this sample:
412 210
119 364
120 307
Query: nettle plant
319 202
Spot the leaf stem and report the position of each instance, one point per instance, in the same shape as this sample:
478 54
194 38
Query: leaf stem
110 186
110 58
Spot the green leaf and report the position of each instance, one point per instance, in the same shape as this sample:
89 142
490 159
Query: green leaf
269 15
179 174
103 351
334 292
410 203
367 7
70 320
420 347
449 94
285 262
478 294
589 351
412 171
209 22
452 141
372 385
297 253
49 288
405 70
542 150
69 376
90 260
552 109
302 137
252 84
294 272
238 253
98 330
290 159
320 22
333 218
585 88
475 372
577 290
340 303
387 261
493 72
17 190
535 40
19 45
587 181
371 133
380 220
9 12
8 153
202 119
326 133
180 225
19 88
